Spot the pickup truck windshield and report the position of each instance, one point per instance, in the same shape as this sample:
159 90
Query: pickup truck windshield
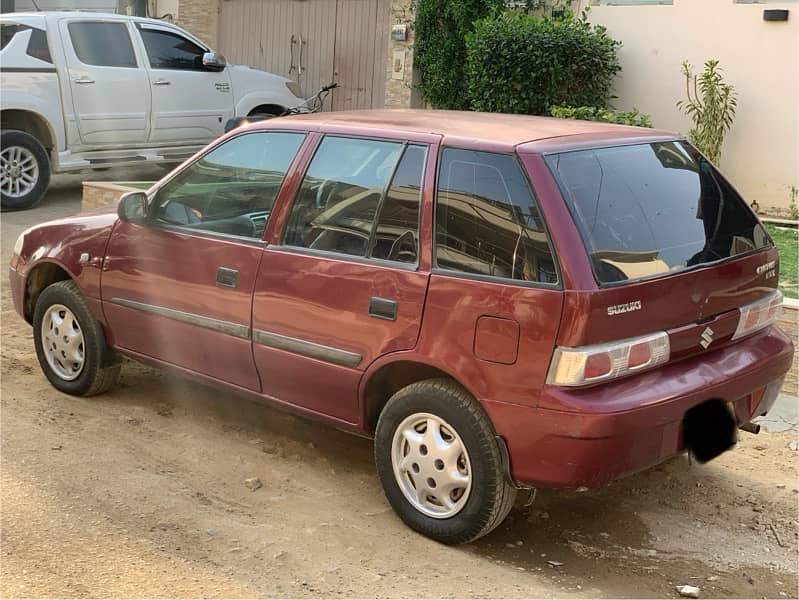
648 209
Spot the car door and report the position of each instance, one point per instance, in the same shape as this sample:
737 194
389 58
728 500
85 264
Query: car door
109 85
342 285
190 102
179 288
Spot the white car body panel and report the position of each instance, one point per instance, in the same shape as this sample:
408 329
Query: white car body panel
122 117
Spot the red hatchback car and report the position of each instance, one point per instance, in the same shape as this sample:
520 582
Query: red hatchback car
500 301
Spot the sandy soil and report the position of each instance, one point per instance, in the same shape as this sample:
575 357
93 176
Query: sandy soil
141 492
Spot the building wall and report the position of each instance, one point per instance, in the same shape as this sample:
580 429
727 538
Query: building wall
401 91
761 153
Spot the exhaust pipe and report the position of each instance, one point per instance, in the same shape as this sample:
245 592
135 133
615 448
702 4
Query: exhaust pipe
750 427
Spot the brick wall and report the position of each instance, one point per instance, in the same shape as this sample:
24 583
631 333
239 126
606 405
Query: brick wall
201 18
789 323
101 193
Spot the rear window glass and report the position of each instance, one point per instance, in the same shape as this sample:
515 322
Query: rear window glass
649 209
102 44
37 43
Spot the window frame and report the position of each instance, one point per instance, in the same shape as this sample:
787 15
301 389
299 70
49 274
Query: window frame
152 193
124 24
653 140
142 27
436 270
332 254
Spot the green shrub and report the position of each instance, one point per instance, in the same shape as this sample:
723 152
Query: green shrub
591 113
519 63
711 104
440 48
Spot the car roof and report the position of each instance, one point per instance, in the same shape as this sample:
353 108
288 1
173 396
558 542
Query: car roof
88 15
474 129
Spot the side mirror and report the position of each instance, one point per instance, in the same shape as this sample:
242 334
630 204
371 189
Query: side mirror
133 208
213 61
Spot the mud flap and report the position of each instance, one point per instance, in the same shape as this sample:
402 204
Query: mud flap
709 429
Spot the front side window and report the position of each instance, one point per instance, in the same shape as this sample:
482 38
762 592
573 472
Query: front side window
340 196
487 220
231 189
649 209
167 50
102 44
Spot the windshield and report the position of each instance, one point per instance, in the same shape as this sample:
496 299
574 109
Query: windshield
648 209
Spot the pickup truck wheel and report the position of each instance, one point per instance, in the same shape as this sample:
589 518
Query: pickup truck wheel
24 170
70 344
439 463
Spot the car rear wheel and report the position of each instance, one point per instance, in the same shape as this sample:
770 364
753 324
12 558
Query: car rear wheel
70 344
24 170
439 463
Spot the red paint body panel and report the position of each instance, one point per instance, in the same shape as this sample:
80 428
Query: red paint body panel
454 304
177 270
494 337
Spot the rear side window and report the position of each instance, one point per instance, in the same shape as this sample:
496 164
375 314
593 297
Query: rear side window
37 43
102 44
336 206
487 220
648 209
167 50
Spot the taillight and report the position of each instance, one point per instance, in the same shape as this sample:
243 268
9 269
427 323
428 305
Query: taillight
758 315
592 364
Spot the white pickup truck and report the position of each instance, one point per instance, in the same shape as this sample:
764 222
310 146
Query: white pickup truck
88 90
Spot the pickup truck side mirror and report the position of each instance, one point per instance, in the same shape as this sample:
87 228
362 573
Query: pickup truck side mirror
132 208
213 61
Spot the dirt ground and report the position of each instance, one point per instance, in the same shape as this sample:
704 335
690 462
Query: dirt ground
141 493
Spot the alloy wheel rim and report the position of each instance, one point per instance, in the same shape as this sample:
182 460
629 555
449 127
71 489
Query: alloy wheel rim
431 465
19 171
62 342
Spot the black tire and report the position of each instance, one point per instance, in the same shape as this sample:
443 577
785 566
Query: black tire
10 138
101 365
492 494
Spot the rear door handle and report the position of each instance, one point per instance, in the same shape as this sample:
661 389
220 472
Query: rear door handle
382 308
227 277
162 82
83 80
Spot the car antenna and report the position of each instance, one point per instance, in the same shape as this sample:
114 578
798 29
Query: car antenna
36 6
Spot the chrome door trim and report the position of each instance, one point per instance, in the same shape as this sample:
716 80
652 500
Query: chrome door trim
329 354
226 327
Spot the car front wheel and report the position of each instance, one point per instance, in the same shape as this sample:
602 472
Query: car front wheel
70 344
439 463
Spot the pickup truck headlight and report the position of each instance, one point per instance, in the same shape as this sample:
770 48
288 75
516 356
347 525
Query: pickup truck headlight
294 88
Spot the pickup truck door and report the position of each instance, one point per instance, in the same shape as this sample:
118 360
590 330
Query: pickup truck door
109 85
190 103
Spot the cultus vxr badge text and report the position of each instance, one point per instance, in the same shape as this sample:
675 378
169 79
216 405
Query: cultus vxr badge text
623 308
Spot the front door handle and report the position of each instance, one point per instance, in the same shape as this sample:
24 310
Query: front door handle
382 308
162 82
83 80
227 277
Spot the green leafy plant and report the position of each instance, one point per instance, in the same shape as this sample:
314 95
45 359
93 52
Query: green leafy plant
519 63
711 104
591 113
440 49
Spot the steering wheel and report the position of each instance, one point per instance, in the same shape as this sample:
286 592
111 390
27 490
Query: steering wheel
321 200
398 250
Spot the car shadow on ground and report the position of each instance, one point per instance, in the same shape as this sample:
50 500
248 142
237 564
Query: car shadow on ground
599 540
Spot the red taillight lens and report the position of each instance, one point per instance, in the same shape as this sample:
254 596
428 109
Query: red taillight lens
758 315
601 362
597 365
640 354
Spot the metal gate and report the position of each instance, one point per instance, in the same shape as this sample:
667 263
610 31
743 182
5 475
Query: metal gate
312 42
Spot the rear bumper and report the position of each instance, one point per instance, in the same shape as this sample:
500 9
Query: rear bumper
615 429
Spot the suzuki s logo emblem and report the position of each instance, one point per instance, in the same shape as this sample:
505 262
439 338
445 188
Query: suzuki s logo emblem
707 338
